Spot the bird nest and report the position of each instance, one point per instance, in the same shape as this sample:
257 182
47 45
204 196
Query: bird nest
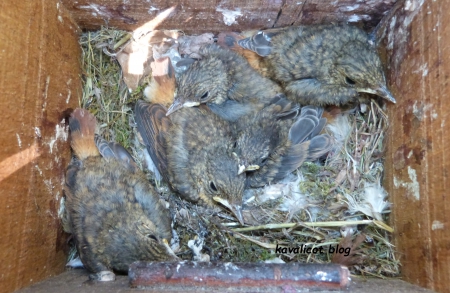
337 201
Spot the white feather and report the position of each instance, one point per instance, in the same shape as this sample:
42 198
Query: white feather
371 203
340 129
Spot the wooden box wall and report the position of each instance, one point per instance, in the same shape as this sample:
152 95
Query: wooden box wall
40 82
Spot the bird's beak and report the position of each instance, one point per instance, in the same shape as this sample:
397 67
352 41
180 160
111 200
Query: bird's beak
236 209
244 168
381 91
252 168
169 249
176 105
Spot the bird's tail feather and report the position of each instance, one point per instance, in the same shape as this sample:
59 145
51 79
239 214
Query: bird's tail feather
306 143
82 126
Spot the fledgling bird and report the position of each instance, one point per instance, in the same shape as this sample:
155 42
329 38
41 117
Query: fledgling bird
193 152
321 64
275 142
113 212
225 82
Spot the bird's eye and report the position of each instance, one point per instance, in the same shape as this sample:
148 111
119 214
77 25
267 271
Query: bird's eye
152 237
204 97
213 186
349 81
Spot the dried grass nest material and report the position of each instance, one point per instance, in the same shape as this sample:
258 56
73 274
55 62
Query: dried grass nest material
315 207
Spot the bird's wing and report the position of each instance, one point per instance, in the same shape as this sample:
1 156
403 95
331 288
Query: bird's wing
304 144
286 109
308 125
319 146
153 125
113 150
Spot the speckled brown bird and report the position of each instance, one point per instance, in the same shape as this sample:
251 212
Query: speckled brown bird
112 210
274 142
225 82
321 64
193 152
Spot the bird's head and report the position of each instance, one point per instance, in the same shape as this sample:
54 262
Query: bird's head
258 137
358 66
252 152
221 182
206 81
153 241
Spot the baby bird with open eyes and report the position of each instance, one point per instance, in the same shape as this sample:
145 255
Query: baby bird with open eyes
225 82
320 65
192 149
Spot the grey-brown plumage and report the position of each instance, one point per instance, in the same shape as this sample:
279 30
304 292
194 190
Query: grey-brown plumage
275 142
225 82
321 64
193 152
113 212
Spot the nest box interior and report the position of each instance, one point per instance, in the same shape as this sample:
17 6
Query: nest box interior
40 82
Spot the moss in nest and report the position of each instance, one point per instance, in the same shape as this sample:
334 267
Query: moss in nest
310 169
105 95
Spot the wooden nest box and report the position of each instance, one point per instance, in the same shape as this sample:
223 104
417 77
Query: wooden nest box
40 81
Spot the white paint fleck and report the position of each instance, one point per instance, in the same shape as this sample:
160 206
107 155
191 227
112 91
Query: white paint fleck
422 69
68 96
97 9
437 225
47 83
152 8
231 266
351 8
390 44
39 169
322 275
420 110
434 115
410 154
399 34
18 140
412 186
57 5
229 16
354 18
413 5
60 18
37 131
61 132
298 3
178 267
49 185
